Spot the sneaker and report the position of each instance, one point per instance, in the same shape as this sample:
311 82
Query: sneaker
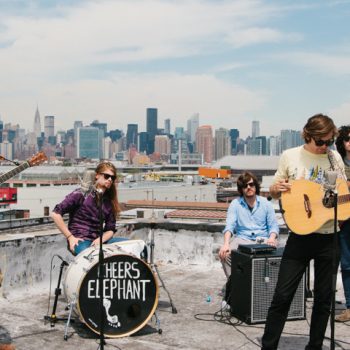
344 316
225 306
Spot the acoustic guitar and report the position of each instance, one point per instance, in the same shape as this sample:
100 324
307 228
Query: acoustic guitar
37 159
307 206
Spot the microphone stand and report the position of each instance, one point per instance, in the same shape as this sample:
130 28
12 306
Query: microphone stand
334 266
99 195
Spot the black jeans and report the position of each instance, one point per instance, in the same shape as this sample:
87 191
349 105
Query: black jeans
297 254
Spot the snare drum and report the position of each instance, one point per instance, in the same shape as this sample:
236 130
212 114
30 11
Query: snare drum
130 290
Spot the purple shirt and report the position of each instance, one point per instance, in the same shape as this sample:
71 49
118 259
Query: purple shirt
83 213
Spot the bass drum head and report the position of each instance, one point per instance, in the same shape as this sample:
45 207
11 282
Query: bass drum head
130 296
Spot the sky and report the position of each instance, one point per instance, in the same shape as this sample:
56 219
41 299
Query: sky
232 62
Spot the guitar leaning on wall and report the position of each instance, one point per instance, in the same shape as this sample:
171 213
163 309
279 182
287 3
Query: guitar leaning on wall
37 159
305 208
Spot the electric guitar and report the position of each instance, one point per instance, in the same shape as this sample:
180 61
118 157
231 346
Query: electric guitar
307 206
37 159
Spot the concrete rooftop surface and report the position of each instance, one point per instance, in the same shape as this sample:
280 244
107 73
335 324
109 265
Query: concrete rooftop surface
186 260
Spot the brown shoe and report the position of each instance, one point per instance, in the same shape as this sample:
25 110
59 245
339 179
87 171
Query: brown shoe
343 317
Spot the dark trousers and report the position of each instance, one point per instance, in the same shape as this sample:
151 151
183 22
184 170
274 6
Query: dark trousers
297 254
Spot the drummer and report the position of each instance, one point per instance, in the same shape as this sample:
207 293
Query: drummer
83 228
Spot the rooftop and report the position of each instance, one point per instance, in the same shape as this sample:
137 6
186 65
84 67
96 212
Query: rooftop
185 254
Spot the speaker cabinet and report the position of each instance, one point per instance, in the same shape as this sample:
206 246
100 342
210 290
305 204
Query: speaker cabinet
253 282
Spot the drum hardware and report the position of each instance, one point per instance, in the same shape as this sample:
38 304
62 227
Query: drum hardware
130 291
155 267
69 319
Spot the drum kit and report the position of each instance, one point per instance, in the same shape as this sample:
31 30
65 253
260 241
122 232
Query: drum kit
130 289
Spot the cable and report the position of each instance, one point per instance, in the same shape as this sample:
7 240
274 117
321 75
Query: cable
35 333
50 284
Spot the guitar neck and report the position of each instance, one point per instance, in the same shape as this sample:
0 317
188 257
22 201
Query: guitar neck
344 198
13 172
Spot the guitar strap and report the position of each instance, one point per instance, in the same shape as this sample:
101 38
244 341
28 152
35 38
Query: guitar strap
334 164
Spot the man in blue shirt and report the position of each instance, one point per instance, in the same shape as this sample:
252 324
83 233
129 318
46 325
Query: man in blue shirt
250 219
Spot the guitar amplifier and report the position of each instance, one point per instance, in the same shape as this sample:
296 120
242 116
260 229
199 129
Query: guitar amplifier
253 283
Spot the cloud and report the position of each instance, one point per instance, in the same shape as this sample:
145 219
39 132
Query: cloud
124 98
327 64
124 31
341 114
260 35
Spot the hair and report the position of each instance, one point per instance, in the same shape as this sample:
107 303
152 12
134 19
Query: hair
244 178
111 193
318 126
343 132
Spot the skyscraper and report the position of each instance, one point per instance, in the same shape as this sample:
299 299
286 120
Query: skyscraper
152 128
192 126
234 134
37 123
49 126
131 135
88 142
162 144
255 129
204 142
143 141
222 143
167 126
290 138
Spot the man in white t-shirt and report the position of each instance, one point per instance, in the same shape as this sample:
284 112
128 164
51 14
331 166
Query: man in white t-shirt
311 162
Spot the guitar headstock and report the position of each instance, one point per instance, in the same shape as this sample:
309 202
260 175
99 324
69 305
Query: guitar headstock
37 159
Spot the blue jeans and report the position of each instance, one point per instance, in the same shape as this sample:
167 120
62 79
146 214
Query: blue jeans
297 254
344 240
82 245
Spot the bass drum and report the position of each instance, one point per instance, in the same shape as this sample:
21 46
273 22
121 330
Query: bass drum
130 290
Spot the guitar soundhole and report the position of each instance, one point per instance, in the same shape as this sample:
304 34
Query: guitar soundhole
307 205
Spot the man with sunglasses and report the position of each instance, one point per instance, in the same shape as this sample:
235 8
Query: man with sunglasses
250 219
83 228
311 162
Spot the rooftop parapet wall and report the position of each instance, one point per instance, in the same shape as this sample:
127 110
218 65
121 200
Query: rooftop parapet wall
26 253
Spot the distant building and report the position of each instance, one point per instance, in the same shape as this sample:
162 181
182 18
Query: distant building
88 142
101 126
115 134
255 129
37 123
1 129
132 135
6 150
180 133
152 128
167 126
290 138
49 126
143 142
162 144
222 143
274 146
254 147
192 126
234 134
204 142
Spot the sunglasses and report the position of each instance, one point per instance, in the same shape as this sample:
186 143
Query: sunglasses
249 184
108 176
320 143
346 138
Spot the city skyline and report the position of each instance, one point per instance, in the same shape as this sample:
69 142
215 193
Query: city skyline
231 62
